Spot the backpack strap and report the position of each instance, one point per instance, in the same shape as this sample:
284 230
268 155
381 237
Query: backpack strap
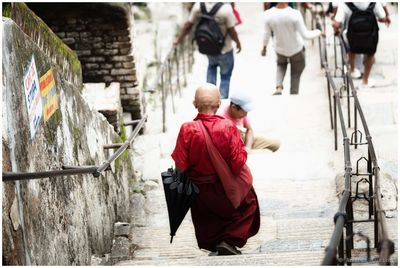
203 8
352 6
215 8
371 6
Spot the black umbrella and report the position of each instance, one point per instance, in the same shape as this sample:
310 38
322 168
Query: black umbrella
180 194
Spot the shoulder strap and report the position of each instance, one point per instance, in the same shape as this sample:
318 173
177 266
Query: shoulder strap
371 6
351 6
218 161
215 8
203 8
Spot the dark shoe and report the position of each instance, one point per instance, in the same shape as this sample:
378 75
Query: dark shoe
224 248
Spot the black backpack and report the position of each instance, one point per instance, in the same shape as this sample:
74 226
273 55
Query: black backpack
208 35
362 30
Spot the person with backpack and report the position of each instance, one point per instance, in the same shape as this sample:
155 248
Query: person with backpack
362 34
287 25
214 32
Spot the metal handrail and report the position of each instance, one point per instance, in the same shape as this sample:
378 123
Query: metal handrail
341 216
384 245
95 170
164 74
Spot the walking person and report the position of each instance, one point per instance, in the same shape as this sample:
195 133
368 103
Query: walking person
219 226
289 30
361 42
224 60
236 111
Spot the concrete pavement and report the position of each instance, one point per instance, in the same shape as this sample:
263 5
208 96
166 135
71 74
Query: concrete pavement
296 185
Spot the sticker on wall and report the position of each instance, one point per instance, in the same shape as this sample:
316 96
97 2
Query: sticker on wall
32 97
49 94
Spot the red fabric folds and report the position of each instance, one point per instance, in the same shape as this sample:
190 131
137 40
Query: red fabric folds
236 186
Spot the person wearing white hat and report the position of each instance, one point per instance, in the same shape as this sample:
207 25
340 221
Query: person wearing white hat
236 111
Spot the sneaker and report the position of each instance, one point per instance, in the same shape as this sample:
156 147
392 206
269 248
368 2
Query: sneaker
278 90
224 248
371 84
356 74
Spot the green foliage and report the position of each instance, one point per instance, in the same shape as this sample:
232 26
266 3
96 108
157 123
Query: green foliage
142 11
122 134
6 9
76 133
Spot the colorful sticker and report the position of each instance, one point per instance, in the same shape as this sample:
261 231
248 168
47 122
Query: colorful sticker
49 94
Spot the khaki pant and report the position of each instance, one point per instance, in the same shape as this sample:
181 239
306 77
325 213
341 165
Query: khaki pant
263 143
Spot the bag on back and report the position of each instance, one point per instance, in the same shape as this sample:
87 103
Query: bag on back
208 35
362 31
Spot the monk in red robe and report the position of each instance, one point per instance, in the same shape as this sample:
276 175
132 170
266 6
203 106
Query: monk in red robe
218 225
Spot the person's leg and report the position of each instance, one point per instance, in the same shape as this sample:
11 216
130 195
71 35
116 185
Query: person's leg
369 60
297 65
262 142
352 61
360 62
212 70
358 69
226 64
281 66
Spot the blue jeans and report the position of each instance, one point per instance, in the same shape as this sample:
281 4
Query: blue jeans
225 63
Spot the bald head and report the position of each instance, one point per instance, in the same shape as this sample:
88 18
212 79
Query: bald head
207 98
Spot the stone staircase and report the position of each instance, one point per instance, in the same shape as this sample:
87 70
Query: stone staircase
296 185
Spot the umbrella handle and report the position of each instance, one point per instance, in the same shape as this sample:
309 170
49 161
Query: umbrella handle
172 237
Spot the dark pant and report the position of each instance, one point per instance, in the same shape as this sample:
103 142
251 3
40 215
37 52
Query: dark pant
297 65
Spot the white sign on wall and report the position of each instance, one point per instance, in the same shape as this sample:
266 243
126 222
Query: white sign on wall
32 97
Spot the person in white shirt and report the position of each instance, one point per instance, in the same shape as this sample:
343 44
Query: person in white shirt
289 32
342 18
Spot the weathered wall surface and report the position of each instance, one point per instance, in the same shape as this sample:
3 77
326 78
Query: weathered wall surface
101 35
59 220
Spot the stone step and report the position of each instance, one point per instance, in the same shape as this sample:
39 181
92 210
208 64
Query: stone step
359 257
281 258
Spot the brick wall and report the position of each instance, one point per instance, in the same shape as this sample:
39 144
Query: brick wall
101 35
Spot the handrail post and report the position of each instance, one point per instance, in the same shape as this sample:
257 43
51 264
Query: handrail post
348 99
183 62
329 94
335 53
370 188
341 260
335 121
355 122
163 102
349 230
170 84
178 82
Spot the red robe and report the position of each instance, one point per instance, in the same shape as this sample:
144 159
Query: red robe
214 217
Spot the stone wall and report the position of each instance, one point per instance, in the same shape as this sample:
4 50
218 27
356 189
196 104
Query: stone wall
59 220
101 35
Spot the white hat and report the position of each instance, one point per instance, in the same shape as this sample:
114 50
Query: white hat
242 100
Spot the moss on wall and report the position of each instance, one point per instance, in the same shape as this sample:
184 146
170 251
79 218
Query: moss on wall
6 9
50 127
34 27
